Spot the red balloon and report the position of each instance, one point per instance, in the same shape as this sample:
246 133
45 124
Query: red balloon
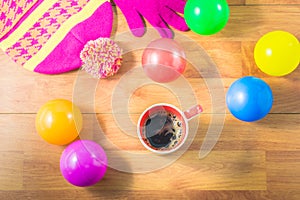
163 60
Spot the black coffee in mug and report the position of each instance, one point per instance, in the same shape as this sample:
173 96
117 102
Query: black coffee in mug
163 130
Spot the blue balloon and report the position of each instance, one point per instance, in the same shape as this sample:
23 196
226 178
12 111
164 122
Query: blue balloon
249 99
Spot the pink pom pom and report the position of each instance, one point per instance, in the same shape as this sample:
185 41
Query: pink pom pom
101 58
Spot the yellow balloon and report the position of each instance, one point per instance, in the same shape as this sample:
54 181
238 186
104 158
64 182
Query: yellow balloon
59 121
277 53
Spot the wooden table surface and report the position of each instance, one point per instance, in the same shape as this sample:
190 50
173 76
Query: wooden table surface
258 160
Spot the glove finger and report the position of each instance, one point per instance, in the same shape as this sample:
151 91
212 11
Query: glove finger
158 23
177 6
134 21
173 19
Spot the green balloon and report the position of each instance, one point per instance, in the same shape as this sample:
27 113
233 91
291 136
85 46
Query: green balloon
206 17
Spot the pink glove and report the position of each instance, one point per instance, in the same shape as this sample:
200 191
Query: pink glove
159 13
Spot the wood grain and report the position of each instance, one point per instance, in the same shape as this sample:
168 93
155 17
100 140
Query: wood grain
257 160
272 2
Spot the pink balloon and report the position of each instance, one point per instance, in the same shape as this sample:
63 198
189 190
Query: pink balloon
163 60
83 163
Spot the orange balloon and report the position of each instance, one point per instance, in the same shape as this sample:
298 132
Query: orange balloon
59 121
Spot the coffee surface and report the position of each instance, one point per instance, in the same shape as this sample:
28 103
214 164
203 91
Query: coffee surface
163 130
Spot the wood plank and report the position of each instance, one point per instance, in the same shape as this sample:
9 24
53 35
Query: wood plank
230 2
276 132
243 195
225 55
272 2
236 2
283 170
249 23
246 23
95 194
242 170
285 94
27 91
20 134
91 194
11 170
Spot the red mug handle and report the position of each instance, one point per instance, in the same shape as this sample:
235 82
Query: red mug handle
193 112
